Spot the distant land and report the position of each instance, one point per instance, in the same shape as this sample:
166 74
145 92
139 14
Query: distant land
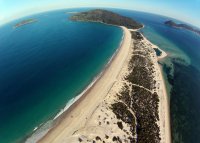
24 22
107 17
181 25
128 103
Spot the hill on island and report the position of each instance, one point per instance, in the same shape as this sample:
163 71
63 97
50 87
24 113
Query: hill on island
24 22
181 25
108 17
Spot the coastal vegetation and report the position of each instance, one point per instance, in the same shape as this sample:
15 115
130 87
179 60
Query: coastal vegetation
138 103
107 17
136 35
129 111
143 74
24 22
181 25
130 115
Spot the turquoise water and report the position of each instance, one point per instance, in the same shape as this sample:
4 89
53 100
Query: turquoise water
182 73
44 65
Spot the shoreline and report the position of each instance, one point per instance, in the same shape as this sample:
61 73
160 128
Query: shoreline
96 78
167 108
25 22
63 123
72 103
163 55
67 115
164 105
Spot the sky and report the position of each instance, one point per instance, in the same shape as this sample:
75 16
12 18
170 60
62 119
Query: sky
185 10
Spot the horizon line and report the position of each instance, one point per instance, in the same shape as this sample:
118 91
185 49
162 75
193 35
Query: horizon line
56 9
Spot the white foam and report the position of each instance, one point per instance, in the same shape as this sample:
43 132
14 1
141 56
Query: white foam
73 100
43 129
39 132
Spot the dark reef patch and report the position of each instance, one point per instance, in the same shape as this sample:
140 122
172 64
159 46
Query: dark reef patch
184 102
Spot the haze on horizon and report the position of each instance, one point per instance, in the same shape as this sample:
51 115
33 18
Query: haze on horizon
183 10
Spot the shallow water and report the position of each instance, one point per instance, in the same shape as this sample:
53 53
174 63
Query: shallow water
45 64
37 78
183 48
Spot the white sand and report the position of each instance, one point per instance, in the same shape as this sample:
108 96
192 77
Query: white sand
91 116
78 116
164 113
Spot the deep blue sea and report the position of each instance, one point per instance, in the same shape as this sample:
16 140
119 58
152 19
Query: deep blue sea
45 64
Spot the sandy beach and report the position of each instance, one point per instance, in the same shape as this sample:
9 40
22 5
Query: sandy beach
83 109
91 118
164 113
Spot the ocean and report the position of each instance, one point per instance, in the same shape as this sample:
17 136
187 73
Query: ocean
181 70
43 65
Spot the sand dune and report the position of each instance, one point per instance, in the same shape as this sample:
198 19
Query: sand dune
90 118
83 109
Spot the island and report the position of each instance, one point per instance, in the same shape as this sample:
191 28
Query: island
128 103
107 17
182 26
24 22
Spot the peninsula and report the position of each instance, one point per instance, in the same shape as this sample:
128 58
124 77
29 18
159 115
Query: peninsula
24 22
128 103
107 17
183 26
